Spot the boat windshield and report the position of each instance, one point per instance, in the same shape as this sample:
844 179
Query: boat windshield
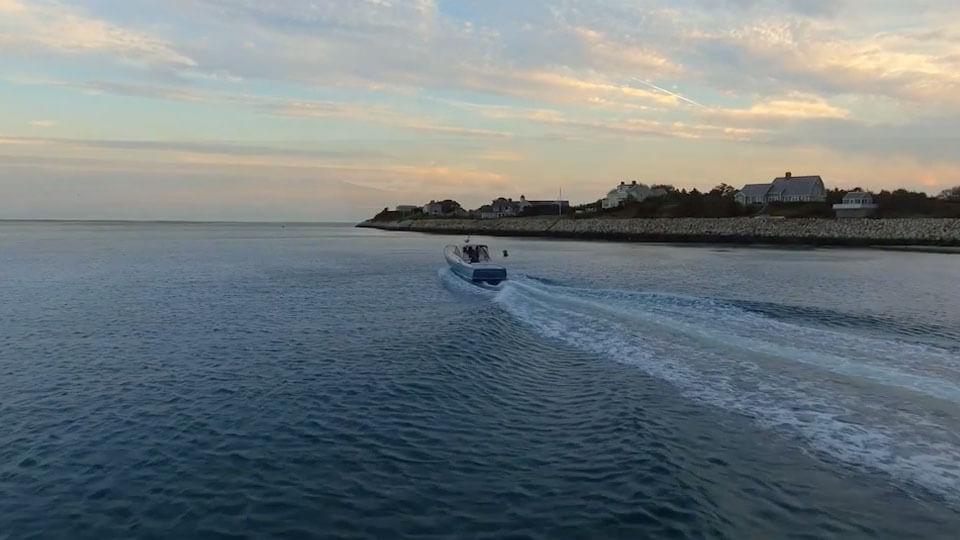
475 253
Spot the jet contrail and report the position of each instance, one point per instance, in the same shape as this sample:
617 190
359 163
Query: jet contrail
665 91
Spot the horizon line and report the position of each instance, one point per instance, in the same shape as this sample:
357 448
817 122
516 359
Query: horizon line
176 221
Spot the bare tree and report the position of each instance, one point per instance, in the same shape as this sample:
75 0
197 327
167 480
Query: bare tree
724 190
951 194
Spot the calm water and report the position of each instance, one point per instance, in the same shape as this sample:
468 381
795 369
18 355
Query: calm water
229 381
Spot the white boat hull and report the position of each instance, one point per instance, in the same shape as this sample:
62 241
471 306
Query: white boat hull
483 272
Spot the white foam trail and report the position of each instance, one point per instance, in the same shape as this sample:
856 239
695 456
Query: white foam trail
880 404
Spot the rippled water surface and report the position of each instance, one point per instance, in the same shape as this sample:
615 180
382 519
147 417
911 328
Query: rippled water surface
297 381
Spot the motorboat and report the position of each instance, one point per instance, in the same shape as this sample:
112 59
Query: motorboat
472 263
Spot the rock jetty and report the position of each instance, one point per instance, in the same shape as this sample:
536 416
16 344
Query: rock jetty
820 232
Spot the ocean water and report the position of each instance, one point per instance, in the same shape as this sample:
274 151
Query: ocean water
320 381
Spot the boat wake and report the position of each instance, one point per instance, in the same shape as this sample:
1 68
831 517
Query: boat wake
877 403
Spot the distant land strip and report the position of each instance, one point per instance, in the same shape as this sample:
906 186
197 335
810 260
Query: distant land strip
940 232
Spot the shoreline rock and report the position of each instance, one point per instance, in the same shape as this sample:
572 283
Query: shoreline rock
812 232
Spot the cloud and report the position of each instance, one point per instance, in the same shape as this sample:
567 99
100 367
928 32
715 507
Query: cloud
221 148
374 114
43 123
406 47
920 69
793 107
567 89
172 192
604 52
371 168
354 112
928 140
490 93
52 26
620 126
148 91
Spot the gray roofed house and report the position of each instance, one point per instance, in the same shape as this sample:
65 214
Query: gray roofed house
487 212
753 194
543 208
791 188
787 188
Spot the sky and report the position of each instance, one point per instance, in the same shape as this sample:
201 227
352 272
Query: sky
331 110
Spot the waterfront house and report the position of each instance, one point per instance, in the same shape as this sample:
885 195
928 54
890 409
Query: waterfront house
501 207
543 208
504 207
856 204
405 209
787 188
791 188
445 208
753 194
630 192
587 208
433 208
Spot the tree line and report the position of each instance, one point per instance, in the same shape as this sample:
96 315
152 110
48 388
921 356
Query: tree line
720 202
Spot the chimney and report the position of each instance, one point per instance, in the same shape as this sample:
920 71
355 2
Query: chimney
789 174
633 183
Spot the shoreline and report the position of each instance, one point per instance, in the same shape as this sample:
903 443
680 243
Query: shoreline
912 235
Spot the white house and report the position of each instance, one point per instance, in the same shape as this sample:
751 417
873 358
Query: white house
443 208
632 191
433 208
500 207
856 204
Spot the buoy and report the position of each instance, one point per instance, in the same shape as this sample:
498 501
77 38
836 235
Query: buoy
505 254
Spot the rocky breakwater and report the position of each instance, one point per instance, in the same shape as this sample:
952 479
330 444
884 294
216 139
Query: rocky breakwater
851 232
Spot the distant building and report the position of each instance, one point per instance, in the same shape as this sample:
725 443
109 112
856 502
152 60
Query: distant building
433 208
856 204
504 207
445 208
791 188
498 208
630 192
507 208
787 188
407 208
587 209
554 207
753 194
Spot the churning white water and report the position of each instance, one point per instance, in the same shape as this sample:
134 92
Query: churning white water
877 403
